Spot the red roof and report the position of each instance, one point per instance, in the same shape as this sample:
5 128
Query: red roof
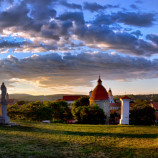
99 93
72 97
115 104
125 97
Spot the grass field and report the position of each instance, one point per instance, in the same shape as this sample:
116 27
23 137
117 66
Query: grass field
75 140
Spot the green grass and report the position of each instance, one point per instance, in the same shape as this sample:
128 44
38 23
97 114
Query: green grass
65 140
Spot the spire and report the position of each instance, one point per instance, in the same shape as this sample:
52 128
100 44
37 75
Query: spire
99 81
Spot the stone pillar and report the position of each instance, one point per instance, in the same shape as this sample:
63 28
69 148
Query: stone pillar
4 118
125 110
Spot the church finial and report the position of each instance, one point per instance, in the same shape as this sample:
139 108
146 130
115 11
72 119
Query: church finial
99 81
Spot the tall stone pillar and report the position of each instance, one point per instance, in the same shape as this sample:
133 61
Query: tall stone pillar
125 110
4 118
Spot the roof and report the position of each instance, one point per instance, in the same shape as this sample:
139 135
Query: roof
99 93
115 104
72 97
125 97
155 105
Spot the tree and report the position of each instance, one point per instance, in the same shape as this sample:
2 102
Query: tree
60 110
142 114
88 114
83 101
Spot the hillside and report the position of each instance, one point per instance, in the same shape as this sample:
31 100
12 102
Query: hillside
28 97
32 139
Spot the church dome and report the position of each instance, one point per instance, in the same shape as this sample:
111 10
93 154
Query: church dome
99 93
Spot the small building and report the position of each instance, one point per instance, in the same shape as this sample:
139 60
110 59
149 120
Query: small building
125 110
155 106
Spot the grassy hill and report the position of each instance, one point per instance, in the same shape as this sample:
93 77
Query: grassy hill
75 140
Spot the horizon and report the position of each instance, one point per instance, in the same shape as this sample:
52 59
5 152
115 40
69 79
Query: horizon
65 45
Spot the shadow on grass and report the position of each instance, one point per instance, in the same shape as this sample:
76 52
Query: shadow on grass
49 131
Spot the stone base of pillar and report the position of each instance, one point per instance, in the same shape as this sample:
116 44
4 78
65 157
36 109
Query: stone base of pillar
4 120
124 121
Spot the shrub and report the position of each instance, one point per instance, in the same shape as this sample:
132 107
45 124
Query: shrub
60 110
13 111
38 111
142 115
89 114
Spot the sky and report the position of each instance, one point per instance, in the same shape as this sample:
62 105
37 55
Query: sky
62 46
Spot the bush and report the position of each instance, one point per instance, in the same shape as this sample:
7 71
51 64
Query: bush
38 111
142 115
89 114
13 111
83 101
60 110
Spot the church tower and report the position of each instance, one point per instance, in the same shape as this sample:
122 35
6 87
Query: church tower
100 96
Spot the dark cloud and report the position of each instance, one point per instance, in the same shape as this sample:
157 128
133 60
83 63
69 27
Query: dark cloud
15 16
133 6
38 20
121 41
153 38
133 18
139 1
71 5
94 7
137 33
128 18
74 16
103 19
4 43
76 70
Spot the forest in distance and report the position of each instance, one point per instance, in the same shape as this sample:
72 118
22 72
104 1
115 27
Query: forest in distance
27 97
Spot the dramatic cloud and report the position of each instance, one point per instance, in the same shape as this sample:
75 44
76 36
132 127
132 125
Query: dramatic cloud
74 16
71 5
153 38
53 69
121 41
64 30
133 18
94 7
133 6
128 18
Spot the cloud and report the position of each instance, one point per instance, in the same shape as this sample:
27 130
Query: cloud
51 30
153 38
74 16
133 6
77 70
137 33
15 16
94 7
128 18
13 42
122 41
136 19
71 5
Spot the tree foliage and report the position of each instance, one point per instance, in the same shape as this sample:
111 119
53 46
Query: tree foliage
142 114
83 101
38 111
84 113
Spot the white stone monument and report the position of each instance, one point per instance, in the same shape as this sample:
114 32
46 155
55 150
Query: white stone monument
4 119
124 110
